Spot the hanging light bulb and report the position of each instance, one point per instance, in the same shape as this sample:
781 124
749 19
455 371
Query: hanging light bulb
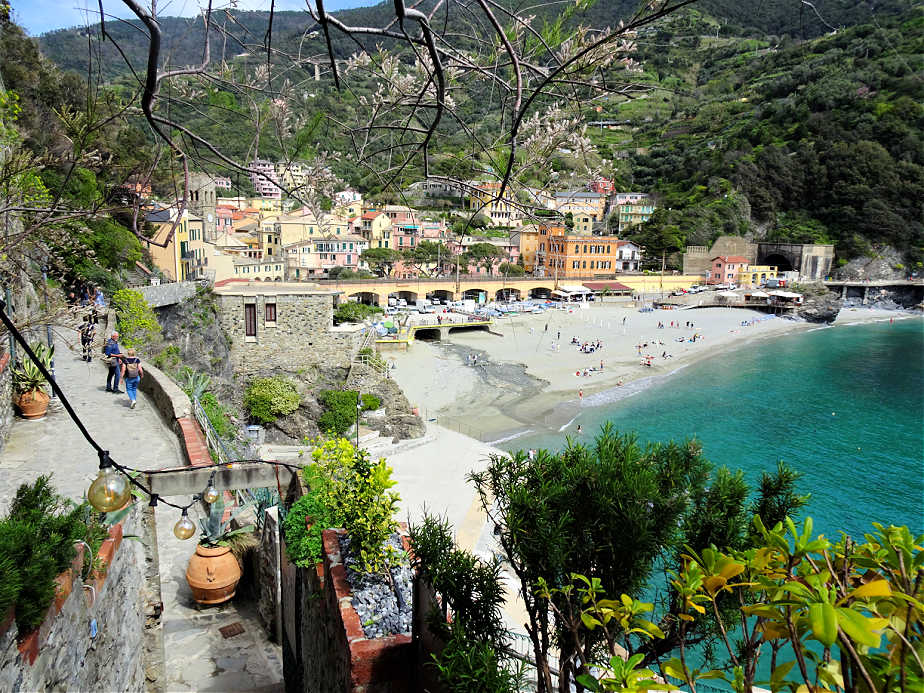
184 528
109 491
211 493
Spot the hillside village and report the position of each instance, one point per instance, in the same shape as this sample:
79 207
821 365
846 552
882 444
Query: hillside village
269 237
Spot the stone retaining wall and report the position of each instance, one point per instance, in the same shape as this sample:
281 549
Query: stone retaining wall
168 294
325 647
6 397
92 637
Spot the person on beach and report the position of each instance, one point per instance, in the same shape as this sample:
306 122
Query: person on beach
579 429
580 394
132 373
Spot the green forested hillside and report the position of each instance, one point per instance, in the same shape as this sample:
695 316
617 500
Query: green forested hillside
815 141
751 128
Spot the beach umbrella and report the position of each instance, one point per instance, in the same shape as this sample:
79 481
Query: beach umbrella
389 323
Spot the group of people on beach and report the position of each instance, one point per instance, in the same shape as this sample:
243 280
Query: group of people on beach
587 347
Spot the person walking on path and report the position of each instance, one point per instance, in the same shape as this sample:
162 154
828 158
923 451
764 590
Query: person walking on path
114 354
98 299
132 372
87 333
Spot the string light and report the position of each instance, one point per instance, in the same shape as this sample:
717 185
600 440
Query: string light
110 490
184 528
211 493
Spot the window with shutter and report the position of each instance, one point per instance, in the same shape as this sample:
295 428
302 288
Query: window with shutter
250 320
270 312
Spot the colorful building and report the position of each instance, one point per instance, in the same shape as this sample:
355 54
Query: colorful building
633 212
580 203
755 275
484 199
580 255
725 269
316 257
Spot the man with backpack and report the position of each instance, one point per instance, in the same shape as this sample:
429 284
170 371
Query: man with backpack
87 334
113 356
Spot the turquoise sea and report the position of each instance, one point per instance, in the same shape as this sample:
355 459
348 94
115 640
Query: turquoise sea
844 405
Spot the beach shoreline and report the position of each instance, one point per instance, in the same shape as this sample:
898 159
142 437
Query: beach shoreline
524 381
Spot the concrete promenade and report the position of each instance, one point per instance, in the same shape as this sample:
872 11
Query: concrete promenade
198 657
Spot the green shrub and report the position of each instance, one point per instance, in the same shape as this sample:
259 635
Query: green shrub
341 410
217 416
37 543
354 312
304 545
346 489
168 359
267 399
137 321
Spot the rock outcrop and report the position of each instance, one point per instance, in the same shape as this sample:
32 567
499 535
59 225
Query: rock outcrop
821 306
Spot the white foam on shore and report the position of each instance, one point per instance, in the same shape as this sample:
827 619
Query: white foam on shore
568 424
510 437
629 389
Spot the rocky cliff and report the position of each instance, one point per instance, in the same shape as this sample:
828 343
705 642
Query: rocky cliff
820 304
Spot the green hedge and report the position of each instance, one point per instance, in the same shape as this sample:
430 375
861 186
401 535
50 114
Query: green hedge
354 312
341 409
266 399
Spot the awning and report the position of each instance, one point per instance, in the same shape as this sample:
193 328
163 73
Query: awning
728 294
575 289
758 294
607 286
785 294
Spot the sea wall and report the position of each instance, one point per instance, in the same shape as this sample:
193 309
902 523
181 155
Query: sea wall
92 638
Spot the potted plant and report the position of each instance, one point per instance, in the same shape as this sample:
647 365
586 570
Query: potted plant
214 569
29 383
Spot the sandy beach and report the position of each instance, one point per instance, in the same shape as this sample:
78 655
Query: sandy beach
530 376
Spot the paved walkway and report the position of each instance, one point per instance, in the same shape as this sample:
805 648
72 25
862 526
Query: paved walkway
198 658
135 437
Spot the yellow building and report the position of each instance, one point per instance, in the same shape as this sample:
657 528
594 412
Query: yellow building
375 227
755 275
265 270
634 212
278 231
589 206
527 237
168 256
502 212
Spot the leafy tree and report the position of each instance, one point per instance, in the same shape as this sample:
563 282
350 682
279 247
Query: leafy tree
266 399
609 511
509 270
351 311
381 260
484 255
427 257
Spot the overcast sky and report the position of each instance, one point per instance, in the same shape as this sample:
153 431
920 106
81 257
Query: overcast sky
39 16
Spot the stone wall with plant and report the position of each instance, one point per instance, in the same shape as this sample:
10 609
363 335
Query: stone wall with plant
76 628
6 398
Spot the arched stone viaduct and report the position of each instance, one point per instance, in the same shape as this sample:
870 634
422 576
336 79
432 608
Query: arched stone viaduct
377 291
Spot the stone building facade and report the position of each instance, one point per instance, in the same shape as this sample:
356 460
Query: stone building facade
279 326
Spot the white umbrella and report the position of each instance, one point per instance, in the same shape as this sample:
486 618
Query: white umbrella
760 294
728 294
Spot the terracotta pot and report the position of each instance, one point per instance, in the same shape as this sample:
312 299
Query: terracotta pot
33 404
213 574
